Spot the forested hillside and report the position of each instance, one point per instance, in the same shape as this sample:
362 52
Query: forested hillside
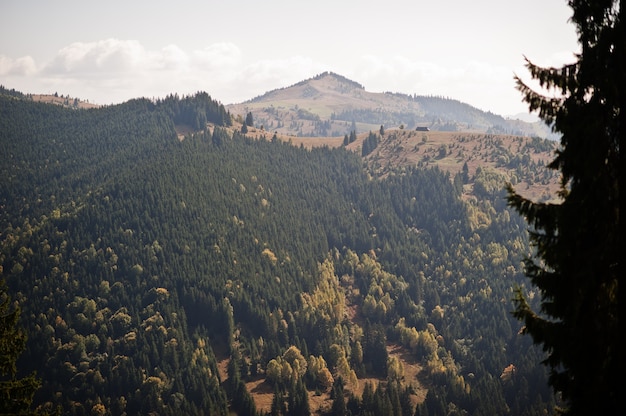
143 264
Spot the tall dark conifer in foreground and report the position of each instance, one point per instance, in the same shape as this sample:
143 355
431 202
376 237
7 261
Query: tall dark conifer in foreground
578 243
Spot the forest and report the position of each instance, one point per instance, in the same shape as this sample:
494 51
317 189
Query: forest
159 275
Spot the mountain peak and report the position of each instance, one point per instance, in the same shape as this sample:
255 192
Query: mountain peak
315 86
336 78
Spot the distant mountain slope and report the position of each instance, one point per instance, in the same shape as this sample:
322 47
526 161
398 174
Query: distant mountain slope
332 105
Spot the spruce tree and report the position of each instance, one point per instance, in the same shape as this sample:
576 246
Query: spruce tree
249 120
298 400
338 407
16 394
578 245
278 403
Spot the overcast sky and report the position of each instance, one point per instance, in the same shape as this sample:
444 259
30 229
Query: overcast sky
111 51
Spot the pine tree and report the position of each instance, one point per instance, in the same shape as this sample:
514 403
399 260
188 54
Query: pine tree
249 120
16 394
339 403
352 137
465 173
577 240
298 400
278 403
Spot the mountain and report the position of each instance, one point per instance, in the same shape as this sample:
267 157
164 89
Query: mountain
223 274
332 105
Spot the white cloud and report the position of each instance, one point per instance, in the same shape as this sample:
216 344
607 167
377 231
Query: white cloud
108 56
170 57
113 70
277 73
423 77
217 56
480 84
20 66
221 71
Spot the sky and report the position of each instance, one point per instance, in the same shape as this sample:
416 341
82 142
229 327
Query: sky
111 51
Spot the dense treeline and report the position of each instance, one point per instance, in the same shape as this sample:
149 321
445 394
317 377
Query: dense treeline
195 111
141 260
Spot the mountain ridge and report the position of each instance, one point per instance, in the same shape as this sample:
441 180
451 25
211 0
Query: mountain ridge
330 104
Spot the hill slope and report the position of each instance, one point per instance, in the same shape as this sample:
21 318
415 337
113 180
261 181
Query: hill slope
141 262
519 160
332 105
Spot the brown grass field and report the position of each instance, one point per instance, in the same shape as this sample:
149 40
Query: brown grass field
62 101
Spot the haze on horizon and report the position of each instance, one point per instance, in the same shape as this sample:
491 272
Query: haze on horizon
114 51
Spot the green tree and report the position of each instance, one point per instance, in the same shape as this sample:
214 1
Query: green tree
577 241
298 400
339 401
465 173
278 403
249 120
16 394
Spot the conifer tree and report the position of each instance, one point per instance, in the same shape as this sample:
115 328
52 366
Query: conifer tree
278 403
339 403
249 120
578 243
352 137
16 394
298 400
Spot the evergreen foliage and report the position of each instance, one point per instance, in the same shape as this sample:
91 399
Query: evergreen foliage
195 111
142 263
370 143
249 120
16 393
578 241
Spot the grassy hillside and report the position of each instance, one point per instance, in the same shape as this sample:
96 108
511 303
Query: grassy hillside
331 105
516 159
519 160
